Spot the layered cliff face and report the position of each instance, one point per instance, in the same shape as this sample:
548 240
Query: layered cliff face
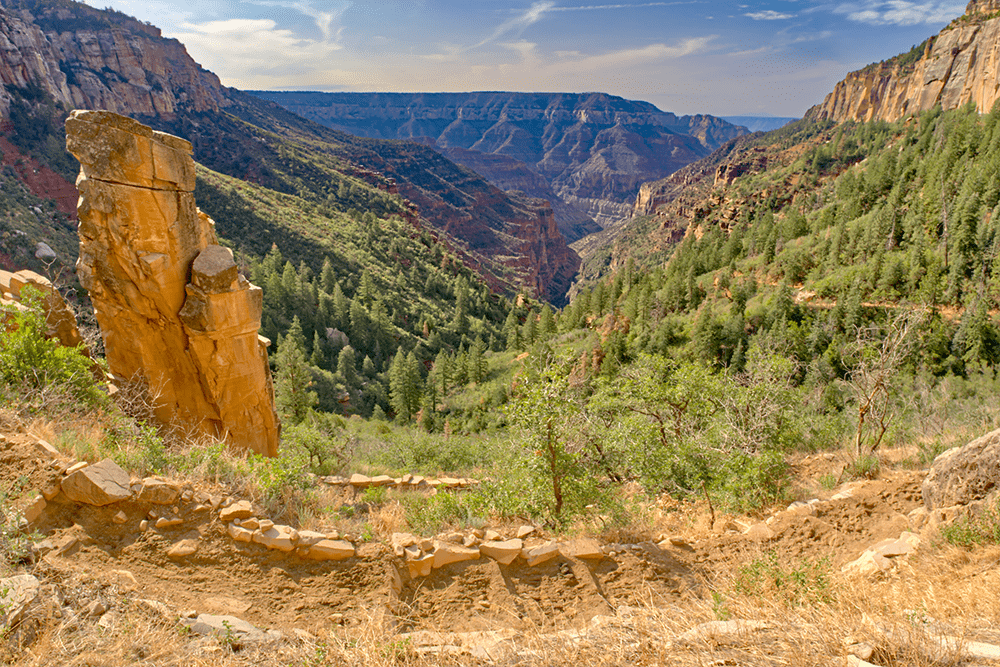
83 57
958 66
591 150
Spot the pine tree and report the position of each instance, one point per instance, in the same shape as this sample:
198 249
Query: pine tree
292 381
346 367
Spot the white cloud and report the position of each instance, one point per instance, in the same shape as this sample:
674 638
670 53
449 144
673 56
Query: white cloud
769 15
901 12
254 53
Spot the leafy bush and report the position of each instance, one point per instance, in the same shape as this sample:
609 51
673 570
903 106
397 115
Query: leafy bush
28 358
803 582
973 531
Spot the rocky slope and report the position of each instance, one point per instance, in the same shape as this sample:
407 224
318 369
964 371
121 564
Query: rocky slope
586 153
75 56
954 68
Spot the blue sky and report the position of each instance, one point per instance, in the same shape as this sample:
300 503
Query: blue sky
694 56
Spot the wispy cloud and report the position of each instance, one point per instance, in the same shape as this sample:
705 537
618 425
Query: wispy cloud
516 25
326 19
900 12
769 15
622 6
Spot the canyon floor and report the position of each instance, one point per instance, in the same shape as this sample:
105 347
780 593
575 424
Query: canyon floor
796 586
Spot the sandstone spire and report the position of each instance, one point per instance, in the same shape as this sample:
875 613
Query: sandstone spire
172 308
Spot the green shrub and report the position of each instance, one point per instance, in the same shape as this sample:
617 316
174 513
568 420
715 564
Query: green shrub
973 531
802 582
28 358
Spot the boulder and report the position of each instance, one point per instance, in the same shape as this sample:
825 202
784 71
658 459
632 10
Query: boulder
99 484
172 309
964 474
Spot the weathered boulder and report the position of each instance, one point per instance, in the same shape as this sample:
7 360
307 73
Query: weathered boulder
99 484
194 342
964 474
446 553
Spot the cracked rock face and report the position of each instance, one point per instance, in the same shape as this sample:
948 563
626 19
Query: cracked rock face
173 310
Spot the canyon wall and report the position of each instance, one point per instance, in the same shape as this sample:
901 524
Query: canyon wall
958 66
591 151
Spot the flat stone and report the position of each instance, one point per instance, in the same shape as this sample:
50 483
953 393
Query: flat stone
239 510
239 533
250 524
265 525
503 552
100 484
868 563
221 604
51 491
120 518
79 465
450 482
585 548
446 553
330 550
541 554
158 492
47 449
524 531
183 549
282 538
380 480
225 627
307 538
360 481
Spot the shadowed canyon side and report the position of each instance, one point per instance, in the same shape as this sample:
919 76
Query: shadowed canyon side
958 66
81 57
194 343
586 153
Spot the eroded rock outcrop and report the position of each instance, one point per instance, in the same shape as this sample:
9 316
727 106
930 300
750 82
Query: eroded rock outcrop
959 65
965 474
172 307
